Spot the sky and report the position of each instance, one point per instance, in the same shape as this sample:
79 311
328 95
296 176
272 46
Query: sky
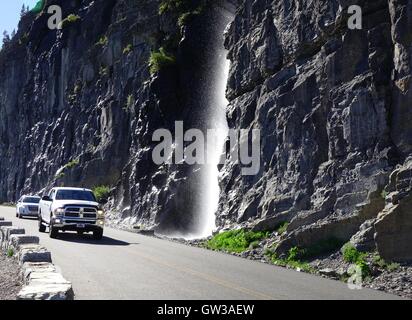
10 14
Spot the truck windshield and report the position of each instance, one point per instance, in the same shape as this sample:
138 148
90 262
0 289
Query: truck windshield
75 195
31 200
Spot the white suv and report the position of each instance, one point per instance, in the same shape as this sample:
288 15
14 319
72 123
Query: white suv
71 209
27 206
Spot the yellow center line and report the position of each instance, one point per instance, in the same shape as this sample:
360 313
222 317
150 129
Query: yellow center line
207 277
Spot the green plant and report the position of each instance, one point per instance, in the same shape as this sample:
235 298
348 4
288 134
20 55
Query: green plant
392 267
384 194
293 260
10 252
72 164
101 192
282 227
186 17
129 102
350 253
353 255
235 240
160 59
60 175
70 19
104 71
102 41
173 6
127 49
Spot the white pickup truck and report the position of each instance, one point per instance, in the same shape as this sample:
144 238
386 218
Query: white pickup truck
71 209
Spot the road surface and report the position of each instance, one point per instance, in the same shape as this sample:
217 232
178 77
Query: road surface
125 265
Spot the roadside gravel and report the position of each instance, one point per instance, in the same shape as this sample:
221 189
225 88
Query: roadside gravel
10 283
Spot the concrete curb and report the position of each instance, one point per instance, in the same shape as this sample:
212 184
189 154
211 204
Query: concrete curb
41 280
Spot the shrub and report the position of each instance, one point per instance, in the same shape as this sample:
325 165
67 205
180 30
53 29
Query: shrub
173 6
127 49
350 253
282 227
236 241
10 252
70 19
72 164
159 60
103 41
101 192
392 267
129 102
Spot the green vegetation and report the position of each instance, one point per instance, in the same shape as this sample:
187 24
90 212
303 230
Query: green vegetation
236 241
104 71
293 260
60 175
103 41
384 194
352 255
127 49
10 252
281 229
70 19
159 60
377 260
101 192
186 17
72 164
130 102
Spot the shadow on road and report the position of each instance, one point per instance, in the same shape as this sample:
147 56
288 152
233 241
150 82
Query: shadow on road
88 239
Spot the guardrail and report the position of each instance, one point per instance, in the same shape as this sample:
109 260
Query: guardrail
41 280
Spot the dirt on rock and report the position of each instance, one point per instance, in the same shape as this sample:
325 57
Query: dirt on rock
10 283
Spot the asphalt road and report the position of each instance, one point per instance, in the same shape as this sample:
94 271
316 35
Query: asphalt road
129 266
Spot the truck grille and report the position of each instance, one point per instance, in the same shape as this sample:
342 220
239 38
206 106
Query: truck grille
80 212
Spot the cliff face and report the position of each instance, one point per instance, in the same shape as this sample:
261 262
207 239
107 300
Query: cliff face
79 106
331 105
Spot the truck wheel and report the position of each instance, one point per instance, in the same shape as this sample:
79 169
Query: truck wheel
53 232
98 235
42 227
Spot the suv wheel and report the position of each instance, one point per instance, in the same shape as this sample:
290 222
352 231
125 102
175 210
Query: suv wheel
42 227
98 235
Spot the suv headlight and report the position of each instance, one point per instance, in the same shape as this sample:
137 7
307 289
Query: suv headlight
100 214
58 212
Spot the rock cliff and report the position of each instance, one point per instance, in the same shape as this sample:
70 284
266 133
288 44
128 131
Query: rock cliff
79 106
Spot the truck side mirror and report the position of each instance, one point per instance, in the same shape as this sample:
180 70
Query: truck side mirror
46 198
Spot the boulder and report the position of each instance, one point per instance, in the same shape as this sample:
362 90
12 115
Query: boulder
16 240
363 240
33 253
6 232
35 267
46 285
393 235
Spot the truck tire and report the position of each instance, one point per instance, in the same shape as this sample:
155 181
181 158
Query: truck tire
98 235
42 227
53 232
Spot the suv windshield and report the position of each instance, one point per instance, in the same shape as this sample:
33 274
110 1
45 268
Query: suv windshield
31 200
75 195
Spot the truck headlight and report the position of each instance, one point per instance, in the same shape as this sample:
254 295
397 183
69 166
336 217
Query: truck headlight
58 212
100 214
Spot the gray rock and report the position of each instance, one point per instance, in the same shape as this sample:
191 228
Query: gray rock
33 253
46 286
17 240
